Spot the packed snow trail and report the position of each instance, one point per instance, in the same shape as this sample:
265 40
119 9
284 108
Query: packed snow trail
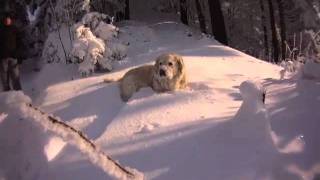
78 139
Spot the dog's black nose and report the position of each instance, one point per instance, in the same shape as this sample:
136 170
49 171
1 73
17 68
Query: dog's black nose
162 72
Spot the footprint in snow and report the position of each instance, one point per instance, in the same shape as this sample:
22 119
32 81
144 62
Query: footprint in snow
146 128
199 86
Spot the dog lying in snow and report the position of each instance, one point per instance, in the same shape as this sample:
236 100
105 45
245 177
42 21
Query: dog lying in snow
168 74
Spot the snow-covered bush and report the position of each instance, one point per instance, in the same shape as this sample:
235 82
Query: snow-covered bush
95 44
88 50
106 31
308 67
93 19
291 66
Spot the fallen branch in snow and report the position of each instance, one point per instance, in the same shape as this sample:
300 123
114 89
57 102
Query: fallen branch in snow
77 138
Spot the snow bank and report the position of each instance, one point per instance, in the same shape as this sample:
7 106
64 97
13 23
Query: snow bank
22 141
9 100
29 161
311 70
251 130
252 118
252 91
78 139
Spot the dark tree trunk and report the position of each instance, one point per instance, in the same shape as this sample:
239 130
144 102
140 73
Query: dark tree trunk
127 11
201 17
264 27
283 29
275 43
217 21
119 16
184 12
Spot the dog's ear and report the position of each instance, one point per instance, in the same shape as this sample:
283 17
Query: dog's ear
156 64
180 64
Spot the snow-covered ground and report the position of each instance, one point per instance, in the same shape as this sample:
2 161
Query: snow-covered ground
208 131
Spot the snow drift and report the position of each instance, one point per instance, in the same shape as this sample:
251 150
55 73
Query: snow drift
33 169
214 129
21 141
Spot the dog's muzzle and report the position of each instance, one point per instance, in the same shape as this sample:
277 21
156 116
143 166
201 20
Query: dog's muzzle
162 73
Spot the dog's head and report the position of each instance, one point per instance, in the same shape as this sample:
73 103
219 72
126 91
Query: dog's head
169 66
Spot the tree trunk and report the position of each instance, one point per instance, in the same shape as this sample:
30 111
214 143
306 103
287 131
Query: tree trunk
184 12
127 11
217 21
264 27
283 29
275 43
201 18
119 16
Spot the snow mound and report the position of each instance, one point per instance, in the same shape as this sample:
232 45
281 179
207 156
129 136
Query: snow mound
78 139
252 118
247 136
22 141
31 162
252 91
12 99
311 70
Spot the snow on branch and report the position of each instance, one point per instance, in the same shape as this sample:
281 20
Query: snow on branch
78 139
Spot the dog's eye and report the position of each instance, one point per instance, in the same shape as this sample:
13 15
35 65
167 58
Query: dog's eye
160 63
170 64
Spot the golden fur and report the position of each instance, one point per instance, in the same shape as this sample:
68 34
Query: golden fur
168 74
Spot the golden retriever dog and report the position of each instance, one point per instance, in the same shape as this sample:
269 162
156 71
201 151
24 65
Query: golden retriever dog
168 74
